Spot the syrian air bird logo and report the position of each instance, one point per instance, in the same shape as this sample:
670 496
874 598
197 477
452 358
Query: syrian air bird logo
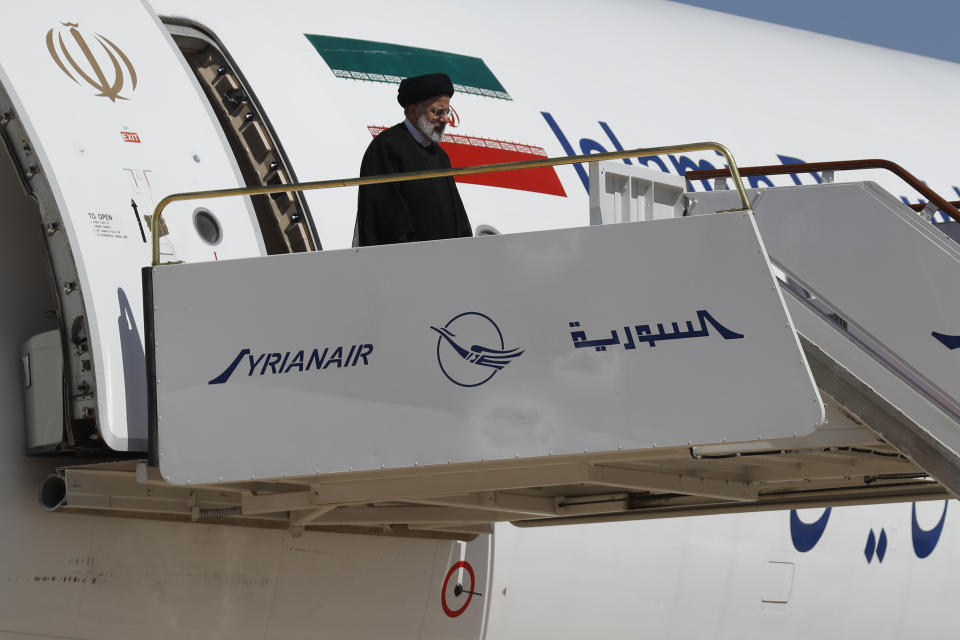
485 357
494 358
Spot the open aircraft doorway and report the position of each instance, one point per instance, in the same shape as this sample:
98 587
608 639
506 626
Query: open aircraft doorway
46 329
285 221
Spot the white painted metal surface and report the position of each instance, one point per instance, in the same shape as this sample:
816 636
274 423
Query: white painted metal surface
627 193
594 339
886 273
82 577
691 577
610 108
109 162
713 570
42 360
926 421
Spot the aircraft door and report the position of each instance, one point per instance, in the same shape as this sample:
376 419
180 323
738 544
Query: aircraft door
104 119
285 221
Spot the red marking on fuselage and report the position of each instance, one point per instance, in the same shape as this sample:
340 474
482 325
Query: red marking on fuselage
453 613
466 151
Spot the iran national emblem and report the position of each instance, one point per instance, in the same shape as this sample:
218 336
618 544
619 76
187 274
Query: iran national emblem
72 52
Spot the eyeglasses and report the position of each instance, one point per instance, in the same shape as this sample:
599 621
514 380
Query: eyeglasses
440 113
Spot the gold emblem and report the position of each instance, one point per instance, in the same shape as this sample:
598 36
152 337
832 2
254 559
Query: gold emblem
88 68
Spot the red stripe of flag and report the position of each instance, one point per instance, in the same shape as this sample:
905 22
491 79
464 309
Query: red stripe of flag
540 180
467 151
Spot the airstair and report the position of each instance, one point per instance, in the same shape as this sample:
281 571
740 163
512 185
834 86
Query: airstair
688 353
866 280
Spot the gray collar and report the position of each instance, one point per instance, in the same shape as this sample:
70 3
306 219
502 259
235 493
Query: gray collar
421 139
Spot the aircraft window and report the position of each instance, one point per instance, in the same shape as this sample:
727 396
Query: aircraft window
207 226
486 230
285 223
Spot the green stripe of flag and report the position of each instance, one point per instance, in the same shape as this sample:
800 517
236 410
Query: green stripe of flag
384 62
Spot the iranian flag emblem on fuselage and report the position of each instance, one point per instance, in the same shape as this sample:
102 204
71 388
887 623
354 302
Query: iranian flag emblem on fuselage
369 61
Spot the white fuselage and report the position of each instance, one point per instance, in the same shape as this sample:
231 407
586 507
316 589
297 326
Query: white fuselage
578 78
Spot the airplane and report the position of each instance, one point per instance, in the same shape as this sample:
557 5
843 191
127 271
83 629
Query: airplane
109 107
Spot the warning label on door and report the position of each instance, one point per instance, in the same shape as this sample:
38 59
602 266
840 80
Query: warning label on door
105 226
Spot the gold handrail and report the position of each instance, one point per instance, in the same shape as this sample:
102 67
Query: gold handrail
441 173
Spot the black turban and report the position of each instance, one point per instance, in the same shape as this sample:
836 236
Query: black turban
420 88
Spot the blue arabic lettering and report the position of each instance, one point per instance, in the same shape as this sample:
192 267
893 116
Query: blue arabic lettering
645 334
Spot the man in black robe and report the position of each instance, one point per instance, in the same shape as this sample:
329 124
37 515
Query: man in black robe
414 210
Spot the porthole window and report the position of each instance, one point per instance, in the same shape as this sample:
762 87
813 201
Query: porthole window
207 226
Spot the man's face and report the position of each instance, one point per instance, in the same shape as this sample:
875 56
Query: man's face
432 117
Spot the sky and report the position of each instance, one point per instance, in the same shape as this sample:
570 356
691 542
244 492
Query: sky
925 27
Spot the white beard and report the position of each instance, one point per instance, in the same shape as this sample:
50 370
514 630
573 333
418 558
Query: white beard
433 132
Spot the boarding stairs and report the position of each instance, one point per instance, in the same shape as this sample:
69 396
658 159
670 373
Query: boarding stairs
679 364
866 281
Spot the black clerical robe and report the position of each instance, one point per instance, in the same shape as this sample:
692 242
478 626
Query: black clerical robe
407 211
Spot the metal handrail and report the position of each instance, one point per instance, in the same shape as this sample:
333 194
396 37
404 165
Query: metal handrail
441 173
839 165
920 206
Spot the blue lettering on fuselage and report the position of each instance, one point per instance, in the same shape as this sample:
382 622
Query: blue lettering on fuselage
680 163
806 535
567 149
876 546
925 540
